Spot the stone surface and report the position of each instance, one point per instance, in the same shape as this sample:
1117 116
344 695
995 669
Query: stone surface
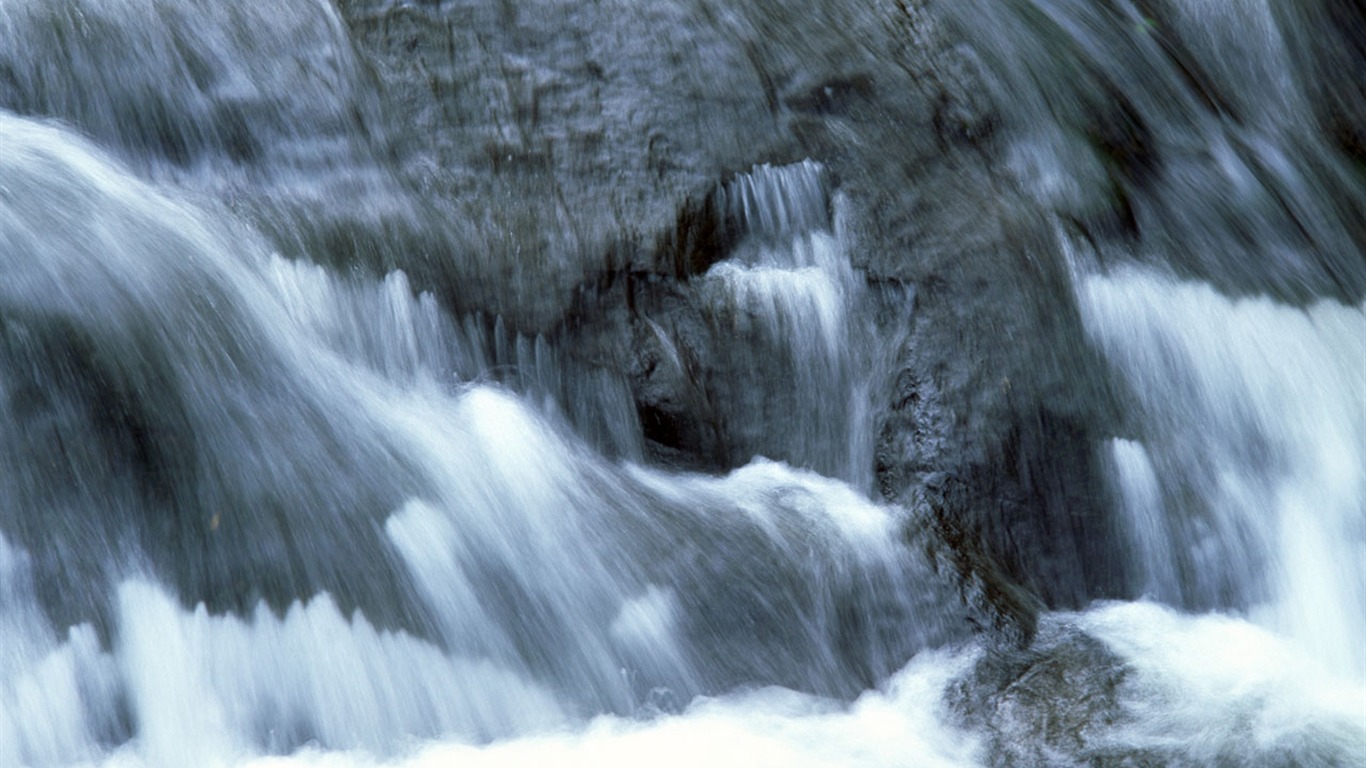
1049 705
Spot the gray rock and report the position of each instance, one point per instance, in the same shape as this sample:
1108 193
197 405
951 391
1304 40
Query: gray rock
1051 704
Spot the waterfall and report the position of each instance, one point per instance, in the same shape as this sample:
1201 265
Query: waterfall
1245 485
519 579
415 384
788 299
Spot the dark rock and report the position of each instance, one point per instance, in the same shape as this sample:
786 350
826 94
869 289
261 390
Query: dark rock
1050 704
996 385
832 96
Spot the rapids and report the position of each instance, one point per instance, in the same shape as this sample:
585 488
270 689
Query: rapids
418 384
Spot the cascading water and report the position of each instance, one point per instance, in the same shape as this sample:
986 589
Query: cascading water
1240 479
1188 124
1225 293
1245 485
266 509
790 294
552 583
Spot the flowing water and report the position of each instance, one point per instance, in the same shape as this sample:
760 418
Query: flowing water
261 509
789 287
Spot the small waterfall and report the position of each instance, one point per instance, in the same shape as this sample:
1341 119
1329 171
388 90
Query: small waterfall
1244 486
1183 142
58 696
304 510
787 301
779 203
1139 492
407 337
199 93
267 497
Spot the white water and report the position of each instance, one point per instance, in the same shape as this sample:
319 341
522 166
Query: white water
1212 689
1220 690
558 584
765 727
789 293
1140 498
1247 472
217 690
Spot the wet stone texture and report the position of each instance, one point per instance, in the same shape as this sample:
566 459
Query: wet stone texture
1049 705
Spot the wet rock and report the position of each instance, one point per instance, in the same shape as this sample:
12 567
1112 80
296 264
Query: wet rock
994 385
1178 134
566 134
1050 704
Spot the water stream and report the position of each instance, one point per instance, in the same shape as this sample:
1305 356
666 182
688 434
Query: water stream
261 509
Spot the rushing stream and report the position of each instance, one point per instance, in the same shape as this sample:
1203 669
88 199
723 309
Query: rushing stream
266 502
